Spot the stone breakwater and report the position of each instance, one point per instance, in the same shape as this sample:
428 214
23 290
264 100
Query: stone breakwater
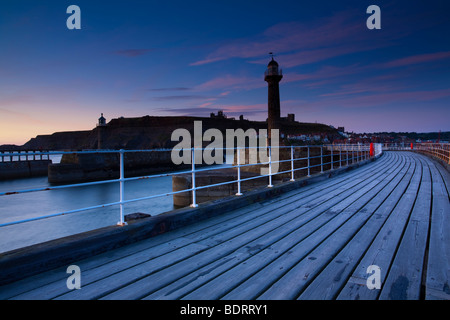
23 169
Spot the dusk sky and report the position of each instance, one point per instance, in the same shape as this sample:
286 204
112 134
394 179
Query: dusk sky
135 58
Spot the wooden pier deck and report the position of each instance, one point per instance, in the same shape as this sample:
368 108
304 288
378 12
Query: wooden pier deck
312 243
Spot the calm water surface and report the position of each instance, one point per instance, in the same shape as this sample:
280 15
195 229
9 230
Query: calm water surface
29 205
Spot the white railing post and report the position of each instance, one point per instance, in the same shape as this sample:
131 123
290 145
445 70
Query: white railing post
292 163
194 203
122 188
359 156
346 153
309 171
321 159
332 160
353 154
239 171
270 167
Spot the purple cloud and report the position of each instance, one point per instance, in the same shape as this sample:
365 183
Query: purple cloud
300 43
170 89
420 58
132 52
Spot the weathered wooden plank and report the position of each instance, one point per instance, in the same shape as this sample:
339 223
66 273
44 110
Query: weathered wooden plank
238 240
157 245
186 284
404 279
117 280
381 253
250 288
283 206
438 268
281 216
299 276
216 288
91 275
328 283
445 174
331 279
187 265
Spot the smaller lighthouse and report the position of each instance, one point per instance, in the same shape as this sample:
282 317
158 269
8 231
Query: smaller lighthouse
273 76
101 126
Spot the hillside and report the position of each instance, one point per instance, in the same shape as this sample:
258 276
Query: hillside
155 132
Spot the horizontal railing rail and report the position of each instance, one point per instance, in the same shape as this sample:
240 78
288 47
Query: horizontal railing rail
437 150
331 156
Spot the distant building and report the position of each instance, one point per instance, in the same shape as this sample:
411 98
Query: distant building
220 115
291 117
101 121
341 129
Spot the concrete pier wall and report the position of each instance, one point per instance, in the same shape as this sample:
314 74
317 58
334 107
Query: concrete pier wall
23 169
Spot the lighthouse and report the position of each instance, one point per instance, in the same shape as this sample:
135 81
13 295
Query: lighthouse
101 126
273 76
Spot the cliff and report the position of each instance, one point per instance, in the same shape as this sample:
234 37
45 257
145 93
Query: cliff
73 140
155 132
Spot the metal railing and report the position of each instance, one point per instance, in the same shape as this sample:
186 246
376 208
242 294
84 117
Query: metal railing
315 157
23 155
437 150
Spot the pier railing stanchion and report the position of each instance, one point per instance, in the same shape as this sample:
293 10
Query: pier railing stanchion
122 188
358 157
332 160
194 203
270 168
239 171
321 159
309 163
353 154
346 153
292 163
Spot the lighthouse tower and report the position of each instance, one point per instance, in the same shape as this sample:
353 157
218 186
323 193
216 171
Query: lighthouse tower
273 76
101 126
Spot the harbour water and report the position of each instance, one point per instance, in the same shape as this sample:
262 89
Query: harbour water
28 205
24 206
